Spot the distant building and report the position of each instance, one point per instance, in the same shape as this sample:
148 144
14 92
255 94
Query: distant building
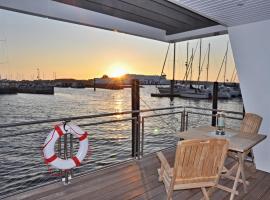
145 79
126 79
69 82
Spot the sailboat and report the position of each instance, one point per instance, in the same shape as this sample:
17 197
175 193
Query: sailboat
186 90
223 91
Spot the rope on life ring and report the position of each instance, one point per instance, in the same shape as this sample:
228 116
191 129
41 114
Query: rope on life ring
48 147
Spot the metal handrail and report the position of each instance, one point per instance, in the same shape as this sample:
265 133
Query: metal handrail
198 113
210 109
83 125
84 117
157 115
108 115
184 118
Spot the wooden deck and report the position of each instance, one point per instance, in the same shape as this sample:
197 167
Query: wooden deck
138 180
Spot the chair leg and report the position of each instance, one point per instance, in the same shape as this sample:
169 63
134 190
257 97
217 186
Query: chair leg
205 194
170 192
160 173
253 160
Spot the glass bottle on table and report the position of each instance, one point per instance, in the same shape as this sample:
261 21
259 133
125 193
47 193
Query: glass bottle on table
220 123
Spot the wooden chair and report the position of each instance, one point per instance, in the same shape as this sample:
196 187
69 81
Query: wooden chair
198 164
249 126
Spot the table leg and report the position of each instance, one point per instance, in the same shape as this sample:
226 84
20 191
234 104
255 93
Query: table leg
235 182
241 157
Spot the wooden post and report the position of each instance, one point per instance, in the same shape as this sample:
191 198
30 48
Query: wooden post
135 104
94 84
172 90
214 103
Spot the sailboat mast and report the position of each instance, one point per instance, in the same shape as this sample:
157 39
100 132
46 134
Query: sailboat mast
174 53
225 66
187 61
38 74
200 59
191 63
164 63
208 59
232 75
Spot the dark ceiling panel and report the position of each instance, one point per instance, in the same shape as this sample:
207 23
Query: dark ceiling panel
156 13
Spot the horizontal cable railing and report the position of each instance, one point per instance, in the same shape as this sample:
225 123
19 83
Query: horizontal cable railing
26 138
113 147
63 119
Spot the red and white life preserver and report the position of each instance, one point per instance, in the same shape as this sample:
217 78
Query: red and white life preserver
54 135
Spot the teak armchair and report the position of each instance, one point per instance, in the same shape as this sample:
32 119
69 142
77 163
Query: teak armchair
249 126
198 164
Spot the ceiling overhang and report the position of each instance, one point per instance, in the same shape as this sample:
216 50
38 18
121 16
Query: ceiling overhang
160 14
155 19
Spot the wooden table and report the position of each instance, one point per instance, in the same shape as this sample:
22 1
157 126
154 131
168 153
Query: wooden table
238 142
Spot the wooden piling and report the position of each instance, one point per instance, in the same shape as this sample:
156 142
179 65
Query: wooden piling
94 84
135 104
172 90
214 103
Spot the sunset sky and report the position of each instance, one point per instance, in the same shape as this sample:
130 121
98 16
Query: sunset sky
75 51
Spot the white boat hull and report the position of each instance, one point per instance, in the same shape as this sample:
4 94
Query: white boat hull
186 92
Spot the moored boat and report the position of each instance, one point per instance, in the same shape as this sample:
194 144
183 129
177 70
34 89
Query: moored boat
35 89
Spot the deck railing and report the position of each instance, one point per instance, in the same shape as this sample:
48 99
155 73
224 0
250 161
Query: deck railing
66 146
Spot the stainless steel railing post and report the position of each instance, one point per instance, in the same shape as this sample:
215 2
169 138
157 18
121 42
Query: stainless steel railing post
138 136
71 151
142 145
65 157
59 152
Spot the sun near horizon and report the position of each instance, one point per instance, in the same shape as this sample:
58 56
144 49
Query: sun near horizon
117 71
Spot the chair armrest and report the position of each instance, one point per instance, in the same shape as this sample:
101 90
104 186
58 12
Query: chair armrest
164 163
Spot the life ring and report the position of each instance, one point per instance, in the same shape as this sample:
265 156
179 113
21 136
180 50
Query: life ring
54 135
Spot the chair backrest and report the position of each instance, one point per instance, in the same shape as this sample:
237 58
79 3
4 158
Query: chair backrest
199 160
251 123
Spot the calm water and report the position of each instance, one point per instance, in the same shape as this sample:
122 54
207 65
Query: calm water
21 161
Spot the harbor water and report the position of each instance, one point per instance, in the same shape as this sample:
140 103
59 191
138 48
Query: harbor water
21 160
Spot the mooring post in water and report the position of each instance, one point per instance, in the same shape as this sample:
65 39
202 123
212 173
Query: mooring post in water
172 90
214 103
94 84
135 104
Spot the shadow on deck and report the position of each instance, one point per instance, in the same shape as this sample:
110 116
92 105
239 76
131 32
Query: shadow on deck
136 180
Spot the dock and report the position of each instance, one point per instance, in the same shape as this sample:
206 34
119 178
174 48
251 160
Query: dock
8 90
164 95
138 180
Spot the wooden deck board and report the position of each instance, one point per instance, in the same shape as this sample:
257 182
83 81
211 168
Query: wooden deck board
138 180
